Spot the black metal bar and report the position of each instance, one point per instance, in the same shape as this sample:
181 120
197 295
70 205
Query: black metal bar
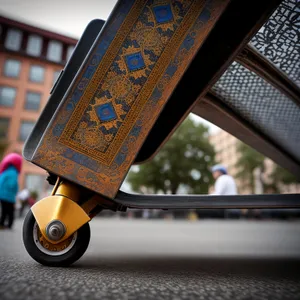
208 201
256 62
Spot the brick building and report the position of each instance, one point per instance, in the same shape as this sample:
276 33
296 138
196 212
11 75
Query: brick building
30 62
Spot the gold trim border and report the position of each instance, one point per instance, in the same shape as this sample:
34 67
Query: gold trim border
158 70
101 71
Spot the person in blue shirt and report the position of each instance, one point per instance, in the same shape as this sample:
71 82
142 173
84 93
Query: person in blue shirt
10 168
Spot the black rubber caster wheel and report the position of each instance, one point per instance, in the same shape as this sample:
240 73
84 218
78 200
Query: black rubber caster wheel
54 255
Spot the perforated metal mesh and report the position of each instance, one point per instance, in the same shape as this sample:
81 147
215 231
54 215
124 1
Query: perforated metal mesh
262 105
279 39
252 97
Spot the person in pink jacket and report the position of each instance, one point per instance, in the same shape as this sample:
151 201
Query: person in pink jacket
10 168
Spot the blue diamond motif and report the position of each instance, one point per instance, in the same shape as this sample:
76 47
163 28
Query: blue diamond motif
163 13
106 112
135 61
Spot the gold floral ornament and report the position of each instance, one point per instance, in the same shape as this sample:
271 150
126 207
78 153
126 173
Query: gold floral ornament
119 87
92 137
181 56
163 82
109 137
149 39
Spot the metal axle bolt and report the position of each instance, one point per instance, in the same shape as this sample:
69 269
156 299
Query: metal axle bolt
55 230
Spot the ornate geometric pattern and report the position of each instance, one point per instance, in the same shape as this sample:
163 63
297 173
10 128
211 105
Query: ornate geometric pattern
163 13
279 39
135 61
106 112
262 105
131 72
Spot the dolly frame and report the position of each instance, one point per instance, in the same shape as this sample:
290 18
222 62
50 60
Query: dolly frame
201 100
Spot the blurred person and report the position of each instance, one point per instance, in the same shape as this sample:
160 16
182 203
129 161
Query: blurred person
23 198
225 184
10 168
32 198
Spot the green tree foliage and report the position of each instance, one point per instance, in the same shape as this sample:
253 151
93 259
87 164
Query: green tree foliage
281 175
185 160
249 160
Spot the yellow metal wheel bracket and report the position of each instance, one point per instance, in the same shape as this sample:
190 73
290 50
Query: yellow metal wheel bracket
61 209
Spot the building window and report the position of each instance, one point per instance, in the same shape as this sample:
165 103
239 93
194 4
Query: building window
70 51
13 39
33 101
7 96
54 51
34 45
4 125
36 73
25 129
35 183
12 68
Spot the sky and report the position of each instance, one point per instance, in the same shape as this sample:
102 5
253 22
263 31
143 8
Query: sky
68 17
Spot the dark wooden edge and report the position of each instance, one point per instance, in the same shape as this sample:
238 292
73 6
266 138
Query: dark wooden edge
215 111
254 61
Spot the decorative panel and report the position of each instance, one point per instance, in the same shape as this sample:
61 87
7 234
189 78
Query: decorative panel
124 83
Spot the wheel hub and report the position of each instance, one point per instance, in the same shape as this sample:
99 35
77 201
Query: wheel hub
53 249
55 230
